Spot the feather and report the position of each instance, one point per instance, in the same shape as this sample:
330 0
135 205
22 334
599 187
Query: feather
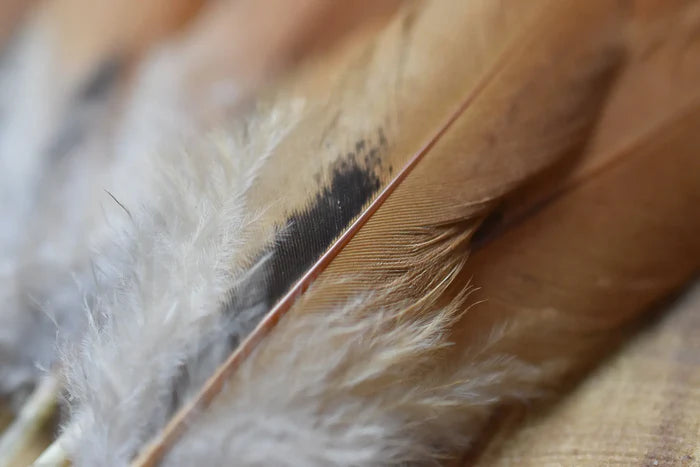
57 96
96 100
113 160
400 238
436 219
165 323
372 347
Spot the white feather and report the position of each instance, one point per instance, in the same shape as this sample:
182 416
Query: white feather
355 386
58 214
165 319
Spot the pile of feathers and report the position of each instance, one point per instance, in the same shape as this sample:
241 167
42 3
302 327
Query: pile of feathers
313 233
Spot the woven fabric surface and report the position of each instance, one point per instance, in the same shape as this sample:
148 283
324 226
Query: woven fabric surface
641 407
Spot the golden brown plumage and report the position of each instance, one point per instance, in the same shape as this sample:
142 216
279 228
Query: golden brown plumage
423 221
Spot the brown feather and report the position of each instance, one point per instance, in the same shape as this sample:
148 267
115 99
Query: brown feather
533 150
530 101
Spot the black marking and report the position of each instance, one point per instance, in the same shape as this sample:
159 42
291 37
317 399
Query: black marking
305 236
310 232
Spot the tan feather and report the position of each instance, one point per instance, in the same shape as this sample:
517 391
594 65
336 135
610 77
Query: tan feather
476 135
535 151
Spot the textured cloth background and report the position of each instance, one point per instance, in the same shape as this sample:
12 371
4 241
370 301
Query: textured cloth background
640 407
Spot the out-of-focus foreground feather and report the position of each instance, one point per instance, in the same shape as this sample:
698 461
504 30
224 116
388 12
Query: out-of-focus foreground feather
425 221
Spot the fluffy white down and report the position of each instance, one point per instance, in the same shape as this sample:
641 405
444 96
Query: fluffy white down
349 387
355 387
163 320
56 205
60 218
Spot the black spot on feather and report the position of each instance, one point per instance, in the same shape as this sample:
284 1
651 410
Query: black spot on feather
308 232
